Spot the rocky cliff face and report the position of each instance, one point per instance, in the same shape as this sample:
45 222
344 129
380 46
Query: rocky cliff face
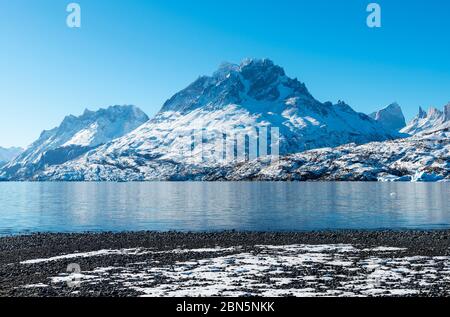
391 117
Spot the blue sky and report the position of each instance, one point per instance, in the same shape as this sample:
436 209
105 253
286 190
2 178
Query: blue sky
142 52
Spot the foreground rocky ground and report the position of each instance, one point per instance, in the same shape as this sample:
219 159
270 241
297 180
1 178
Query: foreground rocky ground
345 263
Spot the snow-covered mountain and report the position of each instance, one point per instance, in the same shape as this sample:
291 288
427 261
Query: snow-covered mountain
258 93
7 154
416 159
391 117
74 137
428 122
236 99
423 158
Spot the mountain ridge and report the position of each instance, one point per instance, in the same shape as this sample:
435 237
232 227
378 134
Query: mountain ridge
73 137
200 131
238 98
428 122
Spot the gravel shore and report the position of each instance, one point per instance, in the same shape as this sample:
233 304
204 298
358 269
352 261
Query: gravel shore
342 263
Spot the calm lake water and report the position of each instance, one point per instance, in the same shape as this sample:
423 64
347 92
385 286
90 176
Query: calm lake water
79 207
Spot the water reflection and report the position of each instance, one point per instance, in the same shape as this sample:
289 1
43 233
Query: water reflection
75 207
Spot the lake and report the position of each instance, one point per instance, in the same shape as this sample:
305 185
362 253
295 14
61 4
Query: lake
79 207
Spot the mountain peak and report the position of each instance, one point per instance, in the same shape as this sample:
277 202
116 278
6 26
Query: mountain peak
103 125
447 112
225 69
434 112
428 122
251 81
88 112
394 106
261 65
422 113
256 64
74 136
391 117
125 112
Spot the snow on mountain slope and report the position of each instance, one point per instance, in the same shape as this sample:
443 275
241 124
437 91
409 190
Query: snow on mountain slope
74 137
237 99
418 159
258 93
391 117
424 122
7 154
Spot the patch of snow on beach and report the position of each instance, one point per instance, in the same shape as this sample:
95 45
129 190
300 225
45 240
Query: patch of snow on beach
293 270
135 251
84 255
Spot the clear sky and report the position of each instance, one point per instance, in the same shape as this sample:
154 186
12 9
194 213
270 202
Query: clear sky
142 52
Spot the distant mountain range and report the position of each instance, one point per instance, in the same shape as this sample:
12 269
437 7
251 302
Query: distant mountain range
7 154
195 136
74 137
429 122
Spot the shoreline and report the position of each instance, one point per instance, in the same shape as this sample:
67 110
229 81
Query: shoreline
320 263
